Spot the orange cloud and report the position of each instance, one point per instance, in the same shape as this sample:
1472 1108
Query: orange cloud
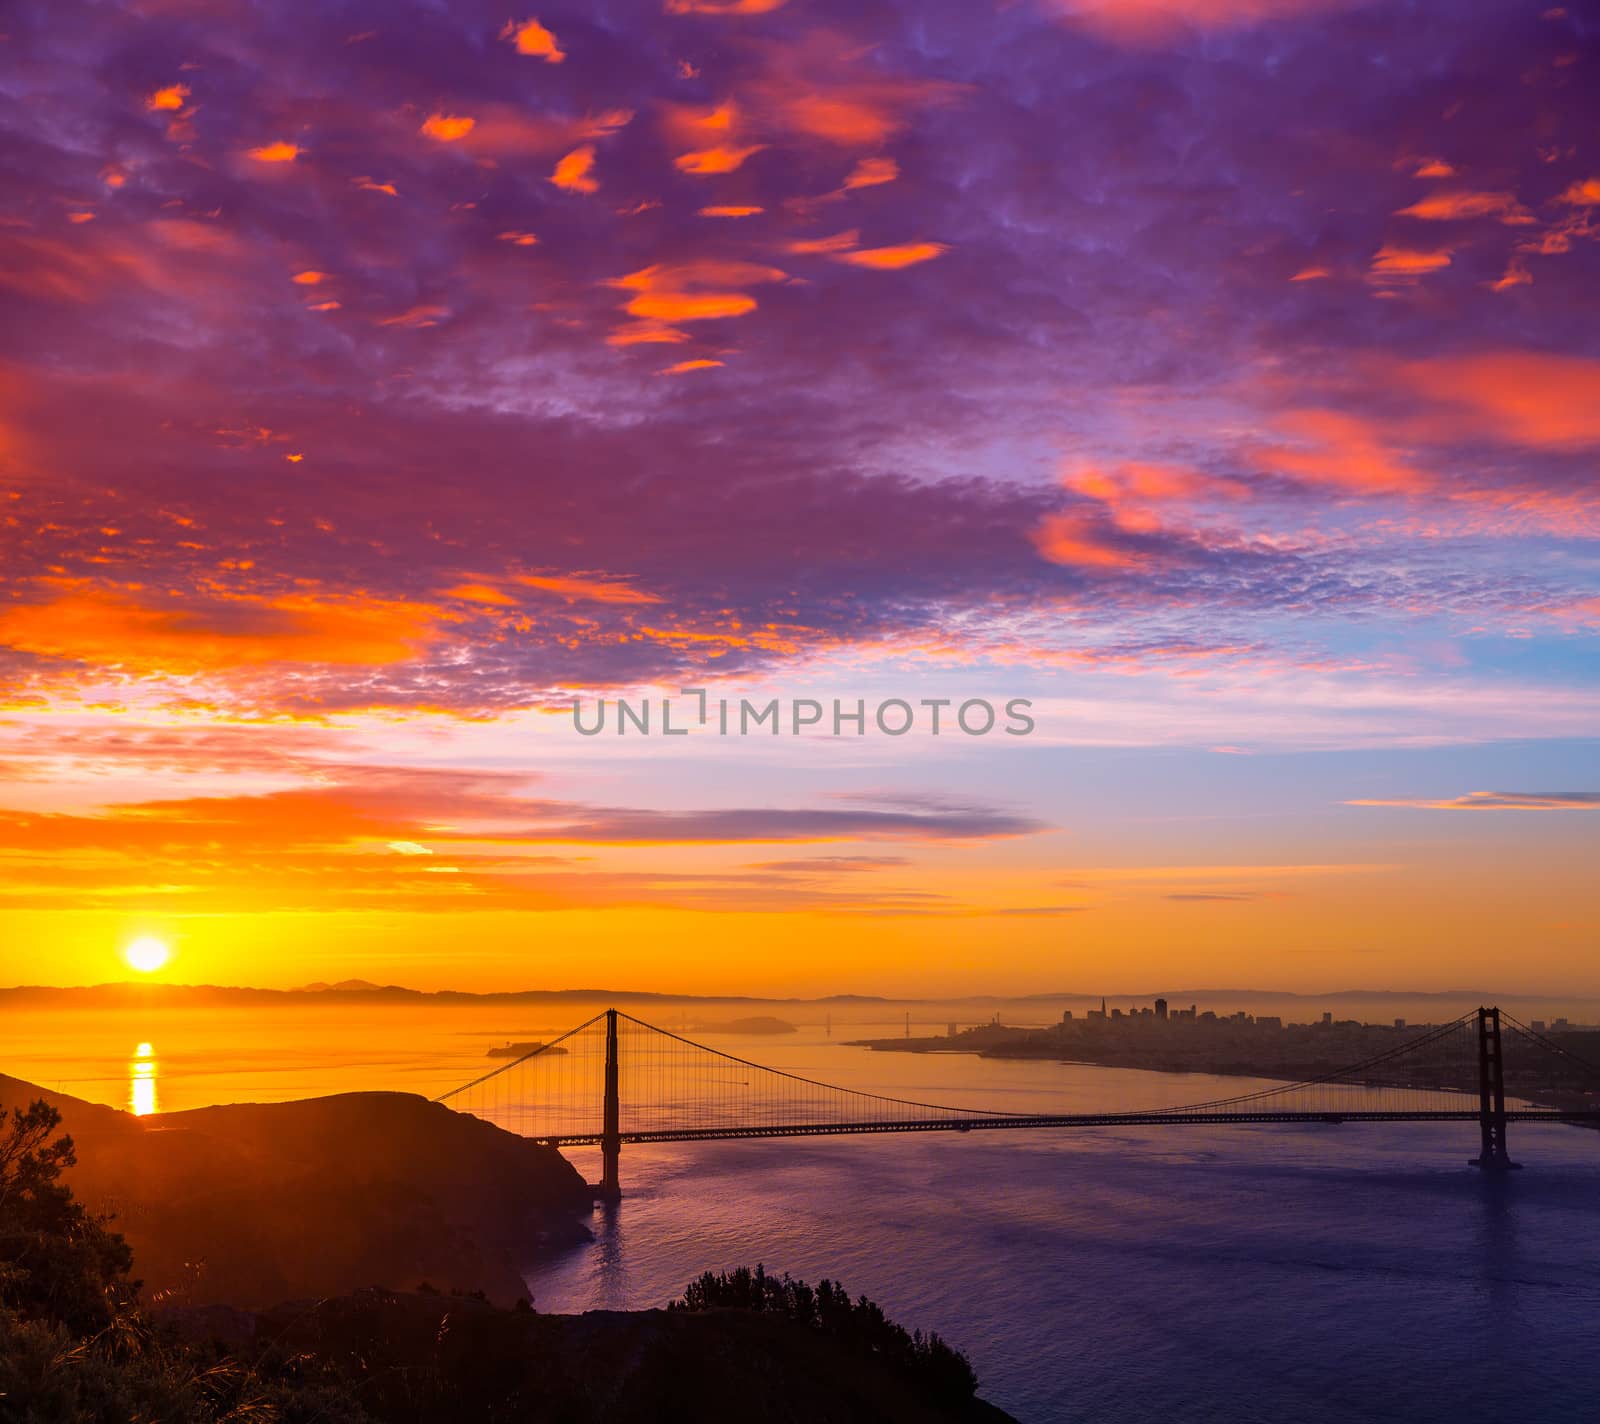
1434 168
1498 801
682 366
1311 274
424 314
691 306
1396 266
1134 484
1524 397
1342 450
645 333
279 152
689 124
723 7
120 629
531 38
1585 193
572 172
448 128
870 172
841 119
1515 275
1456 206
1081 541
694 291
826 86
888 258
730 212
518 239
839 242
309 278
1132 496
592 590
481 593
168 99
720 159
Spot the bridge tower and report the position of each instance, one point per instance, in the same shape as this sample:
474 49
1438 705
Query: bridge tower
611 1124
1492 1096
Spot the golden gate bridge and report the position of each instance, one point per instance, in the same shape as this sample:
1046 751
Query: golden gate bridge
615 1079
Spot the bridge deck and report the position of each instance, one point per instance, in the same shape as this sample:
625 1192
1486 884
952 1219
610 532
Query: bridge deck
1582 1117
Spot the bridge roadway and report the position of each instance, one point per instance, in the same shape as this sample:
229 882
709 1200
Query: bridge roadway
1589 1117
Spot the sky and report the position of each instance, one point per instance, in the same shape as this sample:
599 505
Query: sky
1219 376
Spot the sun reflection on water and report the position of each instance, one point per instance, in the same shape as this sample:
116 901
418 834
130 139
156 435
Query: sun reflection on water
142 1081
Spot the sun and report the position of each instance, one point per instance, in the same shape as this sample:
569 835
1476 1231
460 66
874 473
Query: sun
146 954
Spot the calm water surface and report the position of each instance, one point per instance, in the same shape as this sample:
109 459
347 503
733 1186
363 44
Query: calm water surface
1232 1274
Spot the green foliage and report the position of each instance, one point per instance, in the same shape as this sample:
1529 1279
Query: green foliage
75 1347
57 1262
933 1368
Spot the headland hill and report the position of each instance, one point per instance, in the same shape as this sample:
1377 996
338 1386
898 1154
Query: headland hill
356 1259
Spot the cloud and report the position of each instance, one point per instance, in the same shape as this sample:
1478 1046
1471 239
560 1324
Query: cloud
838 242
1396 266
1084 541
679 368
704 289
827 87
1582 193
1458 206
1499 801
719 159
886 259
277 152
1538 399
723 7
1341 450
168 99
738 826
531 38
127 629
1366 489
448 128
574 171
871 172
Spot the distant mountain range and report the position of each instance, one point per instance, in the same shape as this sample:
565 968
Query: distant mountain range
366 992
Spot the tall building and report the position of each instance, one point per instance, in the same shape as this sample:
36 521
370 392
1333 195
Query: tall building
1161 1008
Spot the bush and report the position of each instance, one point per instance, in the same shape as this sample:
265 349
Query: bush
933 1368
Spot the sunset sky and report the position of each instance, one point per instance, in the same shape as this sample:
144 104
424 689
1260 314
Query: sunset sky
1221 375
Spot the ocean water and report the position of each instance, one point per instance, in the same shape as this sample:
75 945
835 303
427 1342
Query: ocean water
1261 1273
1258 1273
